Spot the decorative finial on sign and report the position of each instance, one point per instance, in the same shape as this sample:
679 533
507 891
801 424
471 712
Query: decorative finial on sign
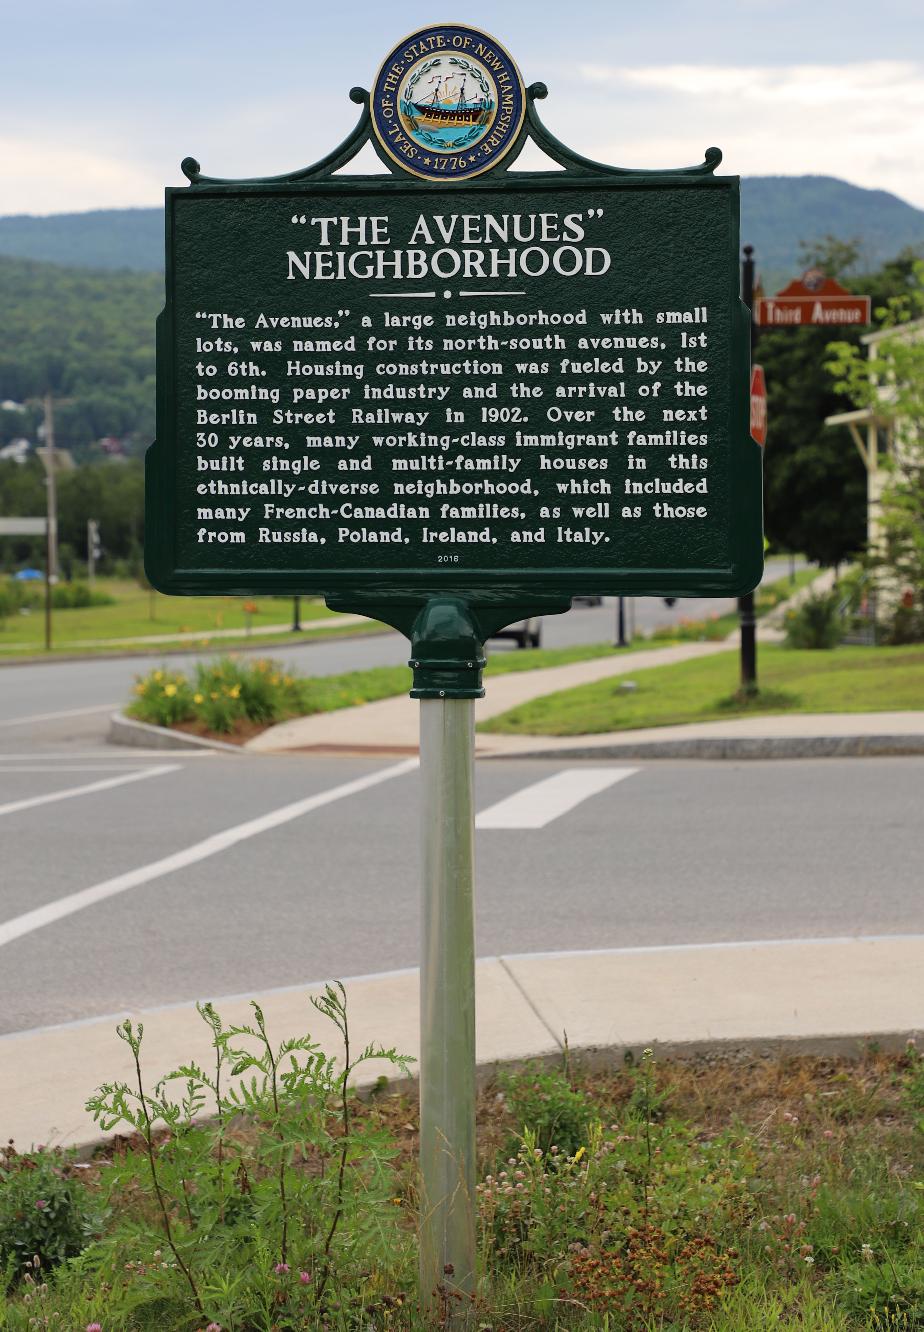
190 168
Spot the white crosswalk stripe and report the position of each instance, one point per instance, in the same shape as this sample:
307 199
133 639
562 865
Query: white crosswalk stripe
544 801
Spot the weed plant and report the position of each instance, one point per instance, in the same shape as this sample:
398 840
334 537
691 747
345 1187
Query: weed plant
257 1194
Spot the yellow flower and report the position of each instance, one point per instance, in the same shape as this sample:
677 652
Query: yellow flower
170 690
197 698
235 692
139 687
581 1151
158 675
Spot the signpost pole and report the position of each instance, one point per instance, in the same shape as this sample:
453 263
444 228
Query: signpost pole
51 493
447 1009
746 615
446 656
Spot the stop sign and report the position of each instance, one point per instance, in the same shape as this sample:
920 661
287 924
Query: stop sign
758 404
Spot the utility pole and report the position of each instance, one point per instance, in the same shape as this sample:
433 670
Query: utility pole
51 501
93 549
296 615
748 623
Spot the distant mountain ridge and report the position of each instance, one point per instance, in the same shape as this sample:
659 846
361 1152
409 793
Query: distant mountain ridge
777 214
106 238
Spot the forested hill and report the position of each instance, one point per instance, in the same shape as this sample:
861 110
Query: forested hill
778 214
87 336
109 238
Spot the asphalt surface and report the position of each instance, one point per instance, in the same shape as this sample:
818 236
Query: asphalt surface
674 853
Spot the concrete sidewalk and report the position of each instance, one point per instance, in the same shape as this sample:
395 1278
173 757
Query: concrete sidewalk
810 995
390 726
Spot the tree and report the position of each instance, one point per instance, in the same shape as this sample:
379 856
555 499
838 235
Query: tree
814 479
892 384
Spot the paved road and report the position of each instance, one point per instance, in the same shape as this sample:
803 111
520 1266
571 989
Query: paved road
324 883
28 692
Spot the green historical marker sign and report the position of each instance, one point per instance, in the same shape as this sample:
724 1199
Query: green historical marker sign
449 397
457 378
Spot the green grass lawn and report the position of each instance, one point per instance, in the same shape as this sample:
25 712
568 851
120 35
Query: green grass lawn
137 613
326 693
847 679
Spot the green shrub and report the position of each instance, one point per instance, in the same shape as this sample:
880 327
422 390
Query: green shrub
44 1211
77 596
542 1101
11 599
225 693
816 623
906 624
162 698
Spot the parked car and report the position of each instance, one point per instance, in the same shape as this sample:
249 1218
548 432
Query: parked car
527 633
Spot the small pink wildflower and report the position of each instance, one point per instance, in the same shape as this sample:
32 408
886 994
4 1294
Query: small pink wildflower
94 1327
41 1204
213 1327
281 1269
304 1278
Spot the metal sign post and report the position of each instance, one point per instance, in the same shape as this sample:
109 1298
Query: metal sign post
447 660
447 1005
94 549
450 398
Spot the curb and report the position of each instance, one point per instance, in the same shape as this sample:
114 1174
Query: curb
735 747
142 735
720 1002
604 1059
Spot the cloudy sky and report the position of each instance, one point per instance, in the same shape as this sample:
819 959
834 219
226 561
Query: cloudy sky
101 99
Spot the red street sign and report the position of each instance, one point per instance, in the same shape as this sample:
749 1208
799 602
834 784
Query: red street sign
758 405
812 299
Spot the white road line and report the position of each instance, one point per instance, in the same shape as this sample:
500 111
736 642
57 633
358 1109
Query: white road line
140 775
53 716
539 804
131 755
68 767
66 906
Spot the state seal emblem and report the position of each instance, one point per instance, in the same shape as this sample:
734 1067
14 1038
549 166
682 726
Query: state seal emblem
447 103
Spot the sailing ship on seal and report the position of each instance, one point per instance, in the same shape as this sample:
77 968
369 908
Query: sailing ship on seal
448 107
